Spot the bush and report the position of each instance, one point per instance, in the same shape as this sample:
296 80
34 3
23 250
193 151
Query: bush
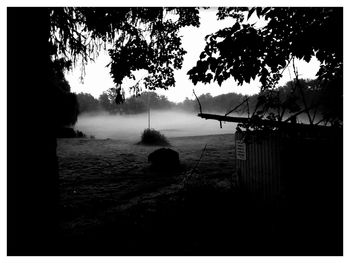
67 132
80 134
153 137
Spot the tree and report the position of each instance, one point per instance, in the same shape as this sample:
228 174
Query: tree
87 103
156 102
246 51
105 102
141 38
249 50
188 105
32 161
66 103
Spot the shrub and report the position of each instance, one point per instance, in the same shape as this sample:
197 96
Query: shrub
153 137
68 132
80 134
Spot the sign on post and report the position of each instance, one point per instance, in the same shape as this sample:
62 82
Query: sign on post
241 150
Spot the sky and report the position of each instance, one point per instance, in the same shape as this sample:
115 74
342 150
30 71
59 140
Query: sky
97 78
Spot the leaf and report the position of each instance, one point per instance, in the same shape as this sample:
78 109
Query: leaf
265 10
258 11
251 11
236 26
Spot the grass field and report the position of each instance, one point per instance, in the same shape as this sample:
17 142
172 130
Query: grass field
112 202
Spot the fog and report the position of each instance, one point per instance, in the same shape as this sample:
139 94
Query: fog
130 127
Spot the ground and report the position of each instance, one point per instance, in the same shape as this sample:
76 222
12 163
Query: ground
109 193
113 203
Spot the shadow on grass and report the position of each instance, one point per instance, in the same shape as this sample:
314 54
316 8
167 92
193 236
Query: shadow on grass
204 219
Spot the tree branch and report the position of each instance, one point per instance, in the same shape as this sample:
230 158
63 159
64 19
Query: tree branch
301 92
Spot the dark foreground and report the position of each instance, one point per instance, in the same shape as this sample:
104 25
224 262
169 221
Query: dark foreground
112 203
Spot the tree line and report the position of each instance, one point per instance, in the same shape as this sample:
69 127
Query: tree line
283 101
139 104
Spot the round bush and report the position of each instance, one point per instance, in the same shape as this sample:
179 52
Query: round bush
153 137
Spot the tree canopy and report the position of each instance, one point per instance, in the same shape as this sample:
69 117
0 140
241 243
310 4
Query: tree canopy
245 51
148 39
136 38
65 105
87 103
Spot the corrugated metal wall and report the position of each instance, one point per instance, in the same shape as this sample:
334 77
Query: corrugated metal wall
298 173
260 173
279 163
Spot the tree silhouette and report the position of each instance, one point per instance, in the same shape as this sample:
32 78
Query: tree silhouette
138 38
245 51
87 103
105 102
66 103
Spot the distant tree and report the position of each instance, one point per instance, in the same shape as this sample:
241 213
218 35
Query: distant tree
219 104
134 105
159 102
311 93
187 105
245 51
105 102
87 103
206 101
139 103
226 102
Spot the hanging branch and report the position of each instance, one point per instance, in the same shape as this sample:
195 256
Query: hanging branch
315 105
298 113
279 106
301 92
235 108
324 120
283 107
199 103
315 112
256 108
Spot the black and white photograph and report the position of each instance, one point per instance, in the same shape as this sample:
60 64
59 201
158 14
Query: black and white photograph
174 130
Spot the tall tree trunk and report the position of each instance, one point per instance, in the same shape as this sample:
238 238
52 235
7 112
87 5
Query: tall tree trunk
32 161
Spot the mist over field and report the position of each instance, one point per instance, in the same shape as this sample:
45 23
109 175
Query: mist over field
130 127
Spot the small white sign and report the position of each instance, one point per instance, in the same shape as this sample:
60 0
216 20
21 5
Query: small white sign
241 151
